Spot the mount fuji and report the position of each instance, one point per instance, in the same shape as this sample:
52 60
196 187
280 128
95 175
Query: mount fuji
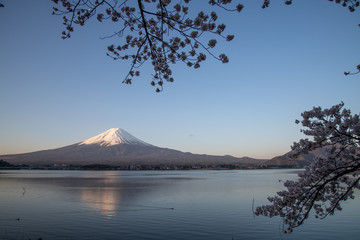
117 147
114 136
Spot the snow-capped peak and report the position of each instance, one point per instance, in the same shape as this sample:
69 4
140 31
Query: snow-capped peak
114 136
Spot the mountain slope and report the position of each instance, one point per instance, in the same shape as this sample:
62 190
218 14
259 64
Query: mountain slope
117 147
298 162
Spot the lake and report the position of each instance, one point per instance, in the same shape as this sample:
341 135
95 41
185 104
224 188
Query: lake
160 205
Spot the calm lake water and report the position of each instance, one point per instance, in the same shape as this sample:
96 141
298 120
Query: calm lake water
154 205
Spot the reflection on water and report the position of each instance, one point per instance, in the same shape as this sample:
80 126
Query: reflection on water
153 205
104 200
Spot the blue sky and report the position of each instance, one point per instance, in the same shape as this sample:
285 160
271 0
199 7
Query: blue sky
284 60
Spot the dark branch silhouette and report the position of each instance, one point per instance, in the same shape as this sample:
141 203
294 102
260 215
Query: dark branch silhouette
159 31
162 32
333 175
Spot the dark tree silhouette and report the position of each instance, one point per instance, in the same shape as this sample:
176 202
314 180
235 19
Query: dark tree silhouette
162 32
331 178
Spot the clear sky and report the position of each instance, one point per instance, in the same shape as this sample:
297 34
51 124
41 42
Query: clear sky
284 60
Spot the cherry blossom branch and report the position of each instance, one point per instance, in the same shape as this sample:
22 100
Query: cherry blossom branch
325 183
163 36
318 189
144 23
337 204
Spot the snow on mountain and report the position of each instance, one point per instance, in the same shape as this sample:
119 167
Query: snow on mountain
114 136
117 147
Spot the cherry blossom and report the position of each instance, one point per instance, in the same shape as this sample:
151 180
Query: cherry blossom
162 32
331 178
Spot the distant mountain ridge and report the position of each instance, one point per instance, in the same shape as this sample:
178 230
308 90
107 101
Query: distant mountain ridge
287 161
118 147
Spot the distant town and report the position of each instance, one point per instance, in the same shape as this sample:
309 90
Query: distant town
7 166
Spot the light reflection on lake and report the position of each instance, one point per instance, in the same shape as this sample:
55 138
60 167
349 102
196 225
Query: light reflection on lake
153 205
104 200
